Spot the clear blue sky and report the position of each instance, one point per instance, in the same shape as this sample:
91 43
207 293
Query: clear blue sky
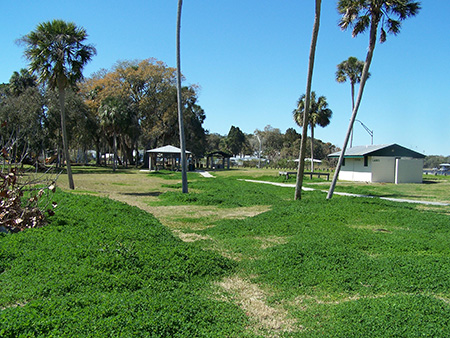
250 59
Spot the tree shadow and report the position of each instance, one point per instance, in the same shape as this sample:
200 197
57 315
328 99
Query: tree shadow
429 182
143 194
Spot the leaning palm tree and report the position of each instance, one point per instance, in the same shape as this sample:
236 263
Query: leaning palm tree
184 182
312 54
57 55
350 69
319 114
363 15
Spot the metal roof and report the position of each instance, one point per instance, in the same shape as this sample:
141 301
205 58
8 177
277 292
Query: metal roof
167 150
385 150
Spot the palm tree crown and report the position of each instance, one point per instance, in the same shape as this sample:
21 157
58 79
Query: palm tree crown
319 113
360 14
350 69
56 52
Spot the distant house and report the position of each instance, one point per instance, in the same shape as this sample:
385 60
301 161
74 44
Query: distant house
389 163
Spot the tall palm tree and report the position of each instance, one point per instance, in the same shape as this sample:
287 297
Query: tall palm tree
312 54
363 15
350 69
57 54
319 114
184 182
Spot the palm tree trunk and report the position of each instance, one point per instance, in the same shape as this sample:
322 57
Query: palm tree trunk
62 98
364 76
353 107
312 53
184 182
312 149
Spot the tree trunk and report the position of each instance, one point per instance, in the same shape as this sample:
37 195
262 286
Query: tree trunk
180 108
312 53
98 153
62 97
353 107
114 150
364 76
312 149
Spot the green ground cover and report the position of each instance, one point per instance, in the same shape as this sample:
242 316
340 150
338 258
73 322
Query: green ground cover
433 188
347 267
103 268
359 267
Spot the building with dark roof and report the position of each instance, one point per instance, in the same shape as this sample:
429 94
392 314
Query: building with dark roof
390 163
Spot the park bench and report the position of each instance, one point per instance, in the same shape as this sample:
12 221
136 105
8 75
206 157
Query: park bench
311 174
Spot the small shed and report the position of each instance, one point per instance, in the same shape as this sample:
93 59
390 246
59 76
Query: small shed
390 163
210 164
167 157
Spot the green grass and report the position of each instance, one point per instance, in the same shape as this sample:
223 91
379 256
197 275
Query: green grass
433 188
386 264
346 267
103 268
224 192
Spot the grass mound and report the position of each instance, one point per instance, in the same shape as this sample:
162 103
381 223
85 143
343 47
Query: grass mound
103 268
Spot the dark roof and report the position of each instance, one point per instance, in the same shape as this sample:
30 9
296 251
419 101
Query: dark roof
385 150
221 153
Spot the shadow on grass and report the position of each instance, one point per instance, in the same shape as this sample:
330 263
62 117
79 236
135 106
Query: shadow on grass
99 170
429 182
143 194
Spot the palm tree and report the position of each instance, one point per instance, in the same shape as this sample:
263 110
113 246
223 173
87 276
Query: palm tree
57 55
350 69
363 15
312 53
319 114
180 106
113 118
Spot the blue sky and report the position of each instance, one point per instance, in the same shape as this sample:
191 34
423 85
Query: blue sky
250 59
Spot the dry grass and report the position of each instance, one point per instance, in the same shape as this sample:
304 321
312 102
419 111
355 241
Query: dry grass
138 189
252 299
190 237
268 242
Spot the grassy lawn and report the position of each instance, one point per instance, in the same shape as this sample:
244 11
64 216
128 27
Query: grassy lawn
433 188
230 259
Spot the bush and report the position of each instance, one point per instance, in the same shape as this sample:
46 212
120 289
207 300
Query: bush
23 203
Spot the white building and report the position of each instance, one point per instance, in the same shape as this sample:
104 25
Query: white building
390 163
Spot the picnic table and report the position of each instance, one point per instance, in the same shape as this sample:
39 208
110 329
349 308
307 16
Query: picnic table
311 174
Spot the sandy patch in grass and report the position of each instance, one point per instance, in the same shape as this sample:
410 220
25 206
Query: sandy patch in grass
270 241
376 228
438 209
190 237
18 304
175 216
253 301
444 299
